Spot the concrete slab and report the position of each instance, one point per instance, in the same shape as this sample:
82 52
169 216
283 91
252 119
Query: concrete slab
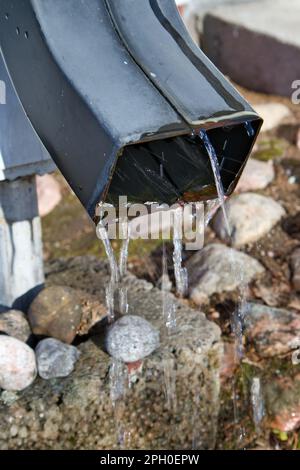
256 44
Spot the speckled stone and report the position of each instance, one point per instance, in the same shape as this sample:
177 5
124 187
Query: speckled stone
14 323
55 359
216 269
251 216
131 338
17 364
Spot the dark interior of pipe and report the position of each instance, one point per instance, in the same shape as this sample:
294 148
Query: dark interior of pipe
178 168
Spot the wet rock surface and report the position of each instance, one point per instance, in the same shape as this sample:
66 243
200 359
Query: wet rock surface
17 364
217 269
256 175
56 312
272 331
283 402
250 215
131 338
55 359
14 323
77 412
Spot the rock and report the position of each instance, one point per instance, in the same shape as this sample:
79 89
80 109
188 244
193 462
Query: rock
295 265
256 175
48 193
14 323
272 63
283 403
273 114
131 338
217 269
229 362
56 312
77 413
93 312
272 331
291 225
250 215
55 359
17 364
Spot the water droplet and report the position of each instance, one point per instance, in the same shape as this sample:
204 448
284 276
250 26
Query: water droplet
6 16
153 74
18 31
26 34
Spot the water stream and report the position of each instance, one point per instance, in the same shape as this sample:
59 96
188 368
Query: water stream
238 315
118 374
179 272
217 176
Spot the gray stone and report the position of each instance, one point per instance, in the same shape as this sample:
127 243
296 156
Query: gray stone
77 413
250 215
217 269
196 10
256 175
295 265
257 44
17 364
56 312
131 338
14 323
55 359
272 331
273 115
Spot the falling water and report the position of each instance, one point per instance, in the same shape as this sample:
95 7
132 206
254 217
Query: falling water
123 302
118 381
216 171
114 271
169 317
118 374
168 306
211 208
125 229
237 318
179 272
258 409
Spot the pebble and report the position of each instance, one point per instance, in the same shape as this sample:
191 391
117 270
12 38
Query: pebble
17 364
14 323
131 338
272 331
273 114
55 359
256 175
216 269
250 215
56 312
48 193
